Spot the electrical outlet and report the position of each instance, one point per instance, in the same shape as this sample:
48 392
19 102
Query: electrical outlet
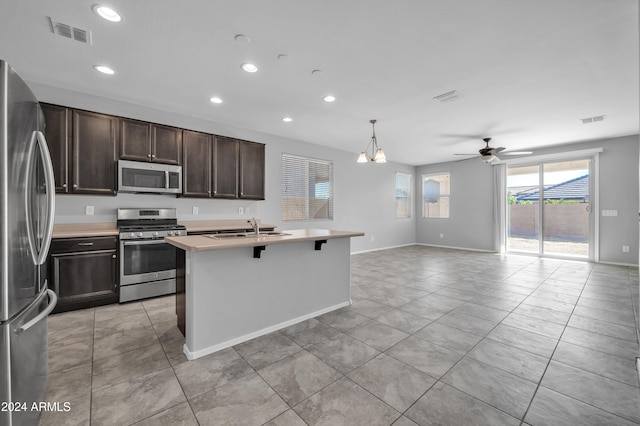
194 210
441 235
625 249
88 210
240 210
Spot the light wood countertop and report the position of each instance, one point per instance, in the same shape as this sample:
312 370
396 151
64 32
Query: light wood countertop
197 243
219 225
78 230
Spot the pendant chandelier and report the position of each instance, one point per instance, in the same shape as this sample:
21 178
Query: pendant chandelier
377 154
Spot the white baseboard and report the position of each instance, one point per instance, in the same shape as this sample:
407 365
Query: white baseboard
633 265
456 248
384 248
638 368
191 355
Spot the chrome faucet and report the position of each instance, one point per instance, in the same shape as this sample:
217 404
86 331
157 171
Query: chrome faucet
254 224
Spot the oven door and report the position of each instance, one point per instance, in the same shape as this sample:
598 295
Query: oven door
146 260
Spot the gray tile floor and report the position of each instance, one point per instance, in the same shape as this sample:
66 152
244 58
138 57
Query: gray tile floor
434 336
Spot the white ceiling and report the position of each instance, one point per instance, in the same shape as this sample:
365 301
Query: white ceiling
528 71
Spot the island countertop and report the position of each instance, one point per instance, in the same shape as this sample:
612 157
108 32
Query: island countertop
197 243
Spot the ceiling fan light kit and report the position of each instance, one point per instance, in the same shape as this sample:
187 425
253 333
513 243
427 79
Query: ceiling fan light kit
488 154
377 154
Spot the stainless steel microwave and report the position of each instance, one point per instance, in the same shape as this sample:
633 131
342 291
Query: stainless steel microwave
136 176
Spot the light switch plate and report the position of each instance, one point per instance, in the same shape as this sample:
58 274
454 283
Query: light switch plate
194 209
88 210
240 210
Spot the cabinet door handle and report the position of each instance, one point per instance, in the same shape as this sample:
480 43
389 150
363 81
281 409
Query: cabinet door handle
149 155
75 185
64 185
113 256
85 244
153 156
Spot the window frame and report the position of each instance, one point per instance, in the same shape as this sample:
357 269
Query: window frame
440 196
408 197
305 164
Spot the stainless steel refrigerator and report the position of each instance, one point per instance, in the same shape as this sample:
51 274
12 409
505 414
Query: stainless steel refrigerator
27 203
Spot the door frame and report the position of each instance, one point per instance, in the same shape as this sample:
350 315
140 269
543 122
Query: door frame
594 189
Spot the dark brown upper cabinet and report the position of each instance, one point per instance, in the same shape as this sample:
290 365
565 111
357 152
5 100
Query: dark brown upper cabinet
93 153
210 168
222 167
251 172
225 167
58 133
142 141
83 147
196 167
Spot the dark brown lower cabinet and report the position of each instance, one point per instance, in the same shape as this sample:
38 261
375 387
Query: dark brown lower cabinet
83 272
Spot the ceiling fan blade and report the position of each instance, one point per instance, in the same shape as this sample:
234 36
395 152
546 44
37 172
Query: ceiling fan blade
465 154
496 150
465 159
517 153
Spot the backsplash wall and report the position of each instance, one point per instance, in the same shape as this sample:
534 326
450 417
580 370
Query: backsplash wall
71 208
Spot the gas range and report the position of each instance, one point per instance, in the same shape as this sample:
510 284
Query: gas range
147 262
137 224
144 232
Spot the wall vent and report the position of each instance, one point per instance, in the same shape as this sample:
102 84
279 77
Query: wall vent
448 97
70 32
593 119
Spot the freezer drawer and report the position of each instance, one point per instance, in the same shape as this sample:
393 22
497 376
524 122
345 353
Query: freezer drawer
23 361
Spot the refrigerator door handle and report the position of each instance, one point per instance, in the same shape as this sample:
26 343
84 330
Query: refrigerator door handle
39 255
51 197
53 299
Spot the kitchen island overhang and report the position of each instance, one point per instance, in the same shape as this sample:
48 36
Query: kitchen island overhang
231 290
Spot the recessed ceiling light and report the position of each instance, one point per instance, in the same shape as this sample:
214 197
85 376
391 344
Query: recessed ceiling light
316 73
283 57
329 98
287 119
104 69
215 100
107 13
249 67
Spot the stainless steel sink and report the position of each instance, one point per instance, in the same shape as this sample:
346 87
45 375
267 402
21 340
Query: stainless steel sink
225 236
247 235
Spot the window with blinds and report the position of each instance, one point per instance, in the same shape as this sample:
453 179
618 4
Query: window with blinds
403 196
435 195
307 188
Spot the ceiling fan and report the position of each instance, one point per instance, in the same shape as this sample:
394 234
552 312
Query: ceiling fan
488 154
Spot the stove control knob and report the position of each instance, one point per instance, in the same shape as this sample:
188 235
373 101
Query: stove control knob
155 234
132 234
139 234
170 233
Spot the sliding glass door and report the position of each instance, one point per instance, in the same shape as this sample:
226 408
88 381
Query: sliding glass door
549 209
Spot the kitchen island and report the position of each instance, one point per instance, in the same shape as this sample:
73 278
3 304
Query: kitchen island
231 289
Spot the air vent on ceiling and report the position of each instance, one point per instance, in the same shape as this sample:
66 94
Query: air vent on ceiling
593 119
448 97
70 32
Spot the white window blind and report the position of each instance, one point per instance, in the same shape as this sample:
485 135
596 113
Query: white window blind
307 188
435 195
403 195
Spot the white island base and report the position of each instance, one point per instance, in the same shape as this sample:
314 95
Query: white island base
231 297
